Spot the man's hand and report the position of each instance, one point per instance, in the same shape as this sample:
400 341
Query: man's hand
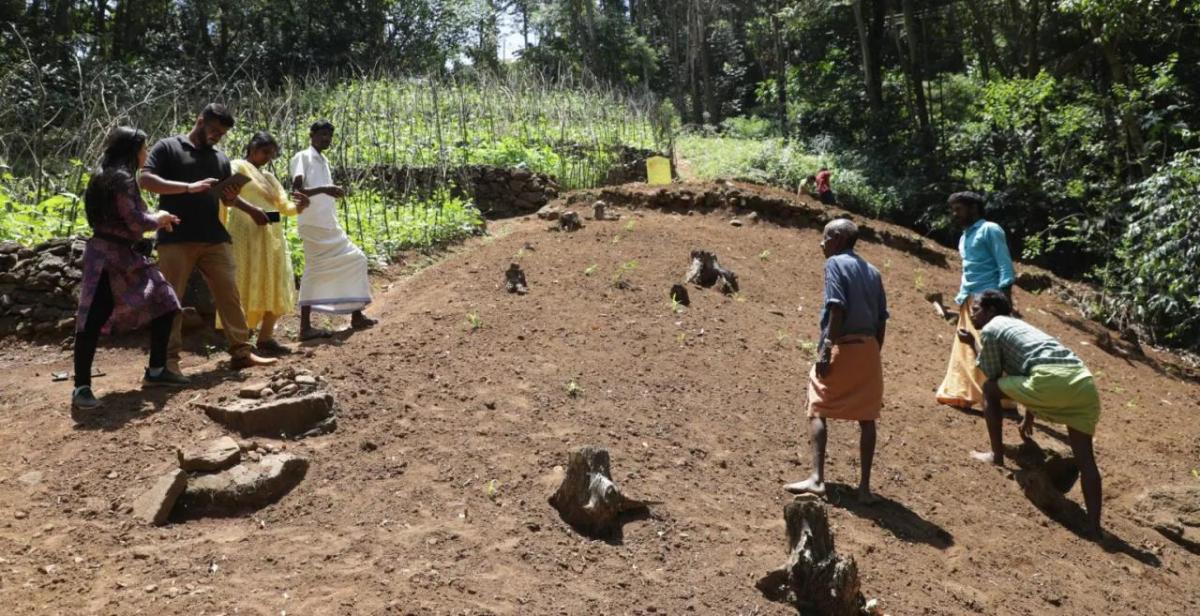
966 337
201 186
230 193
257 215
166 220
1027 425
335 191
301 201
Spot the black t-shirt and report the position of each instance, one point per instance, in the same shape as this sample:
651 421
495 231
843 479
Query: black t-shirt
177 160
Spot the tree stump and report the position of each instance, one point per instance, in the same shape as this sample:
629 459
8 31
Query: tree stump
514 280
679 293
815 578
706 271
569 221
588 499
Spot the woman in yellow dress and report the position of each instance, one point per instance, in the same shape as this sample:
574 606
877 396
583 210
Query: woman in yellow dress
264 269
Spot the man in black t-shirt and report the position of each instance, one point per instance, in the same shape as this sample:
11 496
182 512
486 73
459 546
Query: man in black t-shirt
183 170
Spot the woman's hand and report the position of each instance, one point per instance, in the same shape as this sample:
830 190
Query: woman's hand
166 220
201 186
301 201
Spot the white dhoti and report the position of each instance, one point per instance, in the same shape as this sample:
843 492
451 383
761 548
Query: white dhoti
335 272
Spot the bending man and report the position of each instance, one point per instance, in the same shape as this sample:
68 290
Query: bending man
1024 364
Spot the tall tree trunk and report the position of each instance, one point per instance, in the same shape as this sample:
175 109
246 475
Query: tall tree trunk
872 79
1134 140
781 63
916 76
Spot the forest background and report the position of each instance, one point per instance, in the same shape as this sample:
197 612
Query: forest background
1076 118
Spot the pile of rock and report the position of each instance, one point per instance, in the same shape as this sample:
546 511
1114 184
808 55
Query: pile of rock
39 287
289 404
213 480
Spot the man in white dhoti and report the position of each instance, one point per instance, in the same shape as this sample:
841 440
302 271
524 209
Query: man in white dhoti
335 271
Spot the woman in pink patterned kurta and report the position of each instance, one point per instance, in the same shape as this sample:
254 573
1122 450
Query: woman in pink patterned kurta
122 289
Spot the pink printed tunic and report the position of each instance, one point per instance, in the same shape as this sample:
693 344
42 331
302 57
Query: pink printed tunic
140 292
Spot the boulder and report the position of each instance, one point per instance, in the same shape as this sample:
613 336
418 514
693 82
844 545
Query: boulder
245 487
280 418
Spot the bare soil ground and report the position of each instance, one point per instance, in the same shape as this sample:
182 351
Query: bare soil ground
431 496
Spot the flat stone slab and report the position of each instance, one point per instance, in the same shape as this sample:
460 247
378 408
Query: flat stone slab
277 418
154 505
215 455
245 487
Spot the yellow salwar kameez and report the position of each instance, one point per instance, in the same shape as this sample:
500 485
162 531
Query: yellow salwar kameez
265 279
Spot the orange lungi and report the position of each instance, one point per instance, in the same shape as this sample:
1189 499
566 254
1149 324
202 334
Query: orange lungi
853 389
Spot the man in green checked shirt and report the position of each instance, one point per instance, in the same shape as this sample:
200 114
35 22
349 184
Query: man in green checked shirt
1025 364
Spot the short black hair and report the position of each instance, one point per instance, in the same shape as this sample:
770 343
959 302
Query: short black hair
216 112
967 197
261 139
320 125
996 302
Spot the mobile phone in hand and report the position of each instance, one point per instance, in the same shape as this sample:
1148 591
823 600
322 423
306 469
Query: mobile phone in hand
273 217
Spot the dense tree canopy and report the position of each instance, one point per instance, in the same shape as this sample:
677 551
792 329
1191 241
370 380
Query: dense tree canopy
1064 112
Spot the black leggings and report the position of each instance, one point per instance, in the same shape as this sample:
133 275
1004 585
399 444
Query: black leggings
102 308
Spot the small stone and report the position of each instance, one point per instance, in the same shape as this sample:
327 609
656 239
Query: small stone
48 569
20 515
253 390
254 456
306 379
141 553
215 455
112 475
735 222
266 393
149 588
154 506
31 478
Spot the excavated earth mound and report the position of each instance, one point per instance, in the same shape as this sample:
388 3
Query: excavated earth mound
457 412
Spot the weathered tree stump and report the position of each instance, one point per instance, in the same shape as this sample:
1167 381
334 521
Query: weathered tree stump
514 280
569 221
815 578
679 293
706 271
588 499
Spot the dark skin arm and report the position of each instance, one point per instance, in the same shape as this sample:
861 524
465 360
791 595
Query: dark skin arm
333 191
155 184
837 319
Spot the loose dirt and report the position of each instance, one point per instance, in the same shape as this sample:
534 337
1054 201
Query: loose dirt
431 495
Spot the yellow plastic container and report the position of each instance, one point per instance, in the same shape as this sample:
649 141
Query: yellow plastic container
658 170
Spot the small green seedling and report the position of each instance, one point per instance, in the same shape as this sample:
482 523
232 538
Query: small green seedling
781 337
764 255
616 238
474 321
682 337
676 307
618 279
590 270
574 389
809 348
492 489
520 254
630 225
919 281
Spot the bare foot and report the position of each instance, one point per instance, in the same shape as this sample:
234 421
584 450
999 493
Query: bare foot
987 457
808 486
866 497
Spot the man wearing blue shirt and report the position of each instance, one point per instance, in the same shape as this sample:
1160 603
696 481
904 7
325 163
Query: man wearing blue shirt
987 265
846 382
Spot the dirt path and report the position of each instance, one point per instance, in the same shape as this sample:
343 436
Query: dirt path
430 498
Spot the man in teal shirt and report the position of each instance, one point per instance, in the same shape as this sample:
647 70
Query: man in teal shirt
987 265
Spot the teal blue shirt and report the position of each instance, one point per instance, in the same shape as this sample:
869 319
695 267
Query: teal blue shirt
986 261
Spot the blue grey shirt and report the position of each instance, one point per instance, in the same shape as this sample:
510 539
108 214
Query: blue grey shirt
856 286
